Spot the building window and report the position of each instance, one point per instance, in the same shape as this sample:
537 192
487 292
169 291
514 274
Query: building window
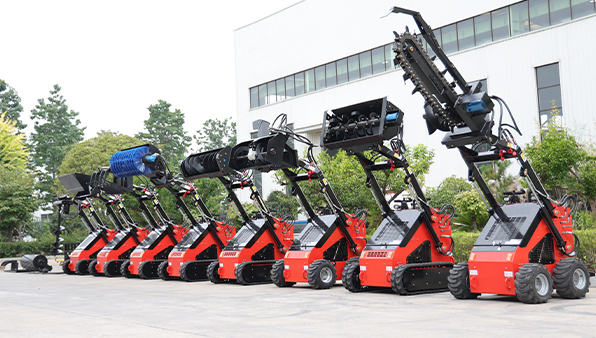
500 23
581 8
257 176
549 93
342 71
539 14
560 11
449 38
330 74
365 64
518 16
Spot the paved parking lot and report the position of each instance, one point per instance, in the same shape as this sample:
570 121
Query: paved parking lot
58 305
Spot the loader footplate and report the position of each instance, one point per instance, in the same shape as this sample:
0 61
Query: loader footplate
418 278
254 272
112 268
195 271
148 269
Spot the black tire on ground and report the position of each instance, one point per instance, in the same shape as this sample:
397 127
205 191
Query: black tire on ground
350 277
92 270
213 274
82 267
65 267
533 284
321 274
459 282
571 278
277 275
238 273
124 269
162 271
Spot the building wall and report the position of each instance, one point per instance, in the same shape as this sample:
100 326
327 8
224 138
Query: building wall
312 33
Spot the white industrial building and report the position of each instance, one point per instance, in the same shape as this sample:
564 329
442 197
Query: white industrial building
325 54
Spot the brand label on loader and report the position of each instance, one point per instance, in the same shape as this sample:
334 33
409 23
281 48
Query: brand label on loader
306 267
287 267
388 268
473 272
508 273
362 267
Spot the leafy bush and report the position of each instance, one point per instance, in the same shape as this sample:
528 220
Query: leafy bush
41 246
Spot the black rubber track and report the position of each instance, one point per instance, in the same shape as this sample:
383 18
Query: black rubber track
213 274
65 267
124 269
82 267
92 270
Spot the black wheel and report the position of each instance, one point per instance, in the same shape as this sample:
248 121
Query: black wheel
92 270
321 274
533 284
162 271
238 273
459 282
571 278
65 267
397 279
112 268
277 275
350 277
124 269
82 267
212 273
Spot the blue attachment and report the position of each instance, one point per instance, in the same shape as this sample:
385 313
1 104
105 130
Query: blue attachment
129 162
391 117
475 105
151 158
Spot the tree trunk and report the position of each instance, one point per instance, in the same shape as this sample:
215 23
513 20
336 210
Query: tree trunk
474 225
593 206
9 233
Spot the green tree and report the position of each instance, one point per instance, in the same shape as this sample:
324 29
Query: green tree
10 102
471 209
17 199
216 133
56 131
13 152
563 164
282 205
87 156
165 129
494 173
447 190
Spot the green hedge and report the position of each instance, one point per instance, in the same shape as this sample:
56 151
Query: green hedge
42 245
464 242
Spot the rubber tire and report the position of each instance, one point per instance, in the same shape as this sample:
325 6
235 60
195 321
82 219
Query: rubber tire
350 277
79 269
277 275
459 282
563 278
162 271
212 273
314 274
66 269
124 269
92 269
525 283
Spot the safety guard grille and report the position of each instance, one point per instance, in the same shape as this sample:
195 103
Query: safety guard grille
544 251
506 230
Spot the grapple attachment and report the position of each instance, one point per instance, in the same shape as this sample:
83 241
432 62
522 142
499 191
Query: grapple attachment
360 126
134 161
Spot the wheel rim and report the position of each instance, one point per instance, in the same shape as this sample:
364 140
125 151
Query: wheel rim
541 284
326 275
579 278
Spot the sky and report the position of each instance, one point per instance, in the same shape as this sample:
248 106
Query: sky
113 59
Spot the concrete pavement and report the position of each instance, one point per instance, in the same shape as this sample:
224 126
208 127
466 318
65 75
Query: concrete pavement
58 305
